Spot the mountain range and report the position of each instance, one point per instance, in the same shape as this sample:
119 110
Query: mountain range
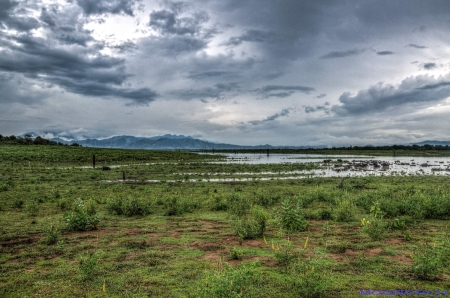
164 142
176 142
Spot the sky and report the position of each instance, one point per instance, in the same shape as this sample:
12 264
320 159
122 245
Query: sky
279 72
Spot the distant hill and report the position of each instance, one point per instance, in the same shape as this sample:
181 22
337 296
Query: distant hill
442 143
164 142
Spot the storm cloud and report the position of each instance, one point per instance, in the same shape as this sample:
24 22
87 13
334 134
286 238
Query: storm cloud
380 97
233 71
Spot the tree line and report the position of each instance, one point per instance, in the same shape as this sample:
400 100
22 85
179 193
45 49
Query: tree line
28 140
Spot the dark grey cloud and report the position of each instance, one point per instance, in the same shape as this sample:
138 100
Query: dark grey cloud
411 45
172 46
73 71
283 113
252 35
342 54
97 7
199 75
429 65
325 108
12 18
384 53
169 22
217 92
282 91
412 90
321 95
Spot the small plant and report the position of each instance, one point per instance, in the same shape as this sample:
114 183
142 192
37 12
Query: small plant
236 253
88 262
345 211
326 214
309 279
129 206
252 225
79 219
52 235
229 282
32 207
376 228
238 205
427 262
408 235
18 203
286 254
218 204
290 216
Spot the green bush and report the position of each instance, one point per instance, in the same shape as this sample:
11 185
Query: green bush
427 262
88 263
79 219
32 207
309 279
252 225
238 205
376 228
128 206
345 211
236 254
244 281
218 204
290 216
287 253
52 235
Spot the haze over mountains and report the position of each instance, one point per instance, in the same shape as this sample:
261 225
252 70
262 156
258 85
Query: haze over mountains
175 142
164 142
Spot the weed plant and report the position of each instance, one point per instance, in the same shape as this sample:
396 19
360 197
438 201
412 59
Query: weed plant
88 263
79 219
129 206
290 216
345 211
52 235
243 281
427 261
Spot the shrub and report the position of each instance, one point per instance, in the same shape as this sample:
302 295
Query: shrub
52 235
88 262
290 216
79 219
326 214
218 204
345 211
427 262
242 281
128 206
18 203
174 207
377 226
286 254
238 205
309 279
32 207
252 225
375 229
236 253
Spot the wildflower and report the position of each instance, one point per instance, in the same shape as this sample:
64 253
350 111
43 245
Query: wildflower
306 242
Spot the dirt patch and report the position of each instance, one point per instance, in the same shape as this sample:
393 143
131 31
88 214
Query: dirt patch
339 258
20 241
371 252
393 241
403 259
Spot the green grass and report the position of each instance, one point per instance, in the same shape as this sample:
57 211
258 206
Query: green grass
160 255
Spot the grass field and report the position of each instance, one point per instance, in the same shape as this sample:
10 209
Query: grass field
65 233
